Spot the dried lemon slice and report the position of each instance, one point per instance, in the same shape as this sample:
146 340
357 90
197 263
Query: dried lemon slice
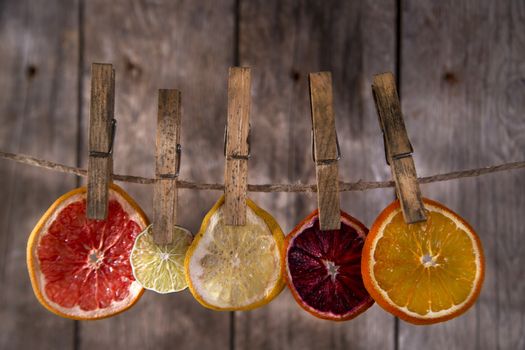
236 267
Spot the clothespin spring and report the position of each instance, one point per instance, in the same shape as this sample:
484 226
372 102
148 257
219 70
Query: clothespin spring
178 161
99 154
238 156
325 161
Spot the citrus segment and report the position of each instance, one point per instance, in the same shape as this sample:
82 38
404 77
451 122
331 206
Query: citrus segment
80 268
425 272
235 267
161 267
323 268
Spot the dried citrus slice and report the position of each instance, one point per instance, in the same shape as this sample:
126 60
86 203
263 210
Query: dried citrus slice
426 272
161 267
80 268
323 268
235 267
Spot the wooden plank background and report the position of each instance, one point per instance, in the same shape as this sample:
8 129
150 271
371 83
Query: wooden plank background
462 85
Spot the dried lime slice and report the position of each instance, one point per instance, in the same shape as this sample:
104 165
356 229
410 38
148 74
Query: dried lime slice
160 268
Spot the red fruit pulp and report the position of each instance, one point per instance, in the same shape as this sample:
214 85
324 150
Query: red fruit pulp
324 268
85 262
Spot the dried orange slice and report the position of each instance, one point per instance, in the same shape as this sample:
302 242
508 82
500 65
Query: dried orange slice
80 268
425 272
235 267
323 268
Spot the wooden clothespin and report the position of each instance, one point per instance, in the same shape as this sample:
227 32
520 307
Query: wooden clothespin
398 150
237 145
168 157
101 135
325 151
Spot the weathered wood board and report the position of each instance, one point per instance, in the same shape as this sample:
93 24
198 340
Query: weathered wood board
462 91
284 41
164 44
38 108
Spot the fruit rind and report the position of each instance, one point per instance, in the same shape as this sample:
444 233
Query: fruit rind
379 224
287 244
33 240
277 234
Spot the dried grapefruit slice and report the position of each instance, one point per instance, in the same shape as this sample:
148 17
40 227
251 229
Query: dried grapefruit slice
323 268
426 272
80 268
235 267
160 268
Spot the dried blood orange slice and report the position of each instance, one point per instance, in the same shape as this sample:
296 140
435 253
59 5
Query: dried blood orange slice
425 272
323 268
80 268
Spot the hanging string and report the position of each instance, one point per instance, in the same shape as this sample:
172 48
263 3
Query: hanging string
297 187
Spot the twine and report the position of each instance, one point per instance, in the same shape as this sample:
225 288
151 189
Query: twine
296 187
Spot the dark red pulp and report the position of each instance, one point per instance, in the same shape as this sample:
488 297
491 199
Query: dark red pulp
86 262
325 269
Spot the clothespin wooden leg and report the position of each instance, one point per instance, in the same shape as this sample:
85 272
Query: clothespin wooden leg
237 150
168 153
398 147
326 150
101 134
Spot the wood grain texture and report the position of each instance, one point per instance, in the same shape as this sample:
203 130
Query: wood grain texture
407 189
325 150
328 196
165 193
398 147
237 147
390 117
38 107
284 41
462 90
101 115
154 45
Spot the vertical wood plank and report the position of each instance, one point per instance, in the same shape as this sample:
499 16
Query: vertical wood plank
237 146
152 45
38 107
462 94
167 161
100 163
353 40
